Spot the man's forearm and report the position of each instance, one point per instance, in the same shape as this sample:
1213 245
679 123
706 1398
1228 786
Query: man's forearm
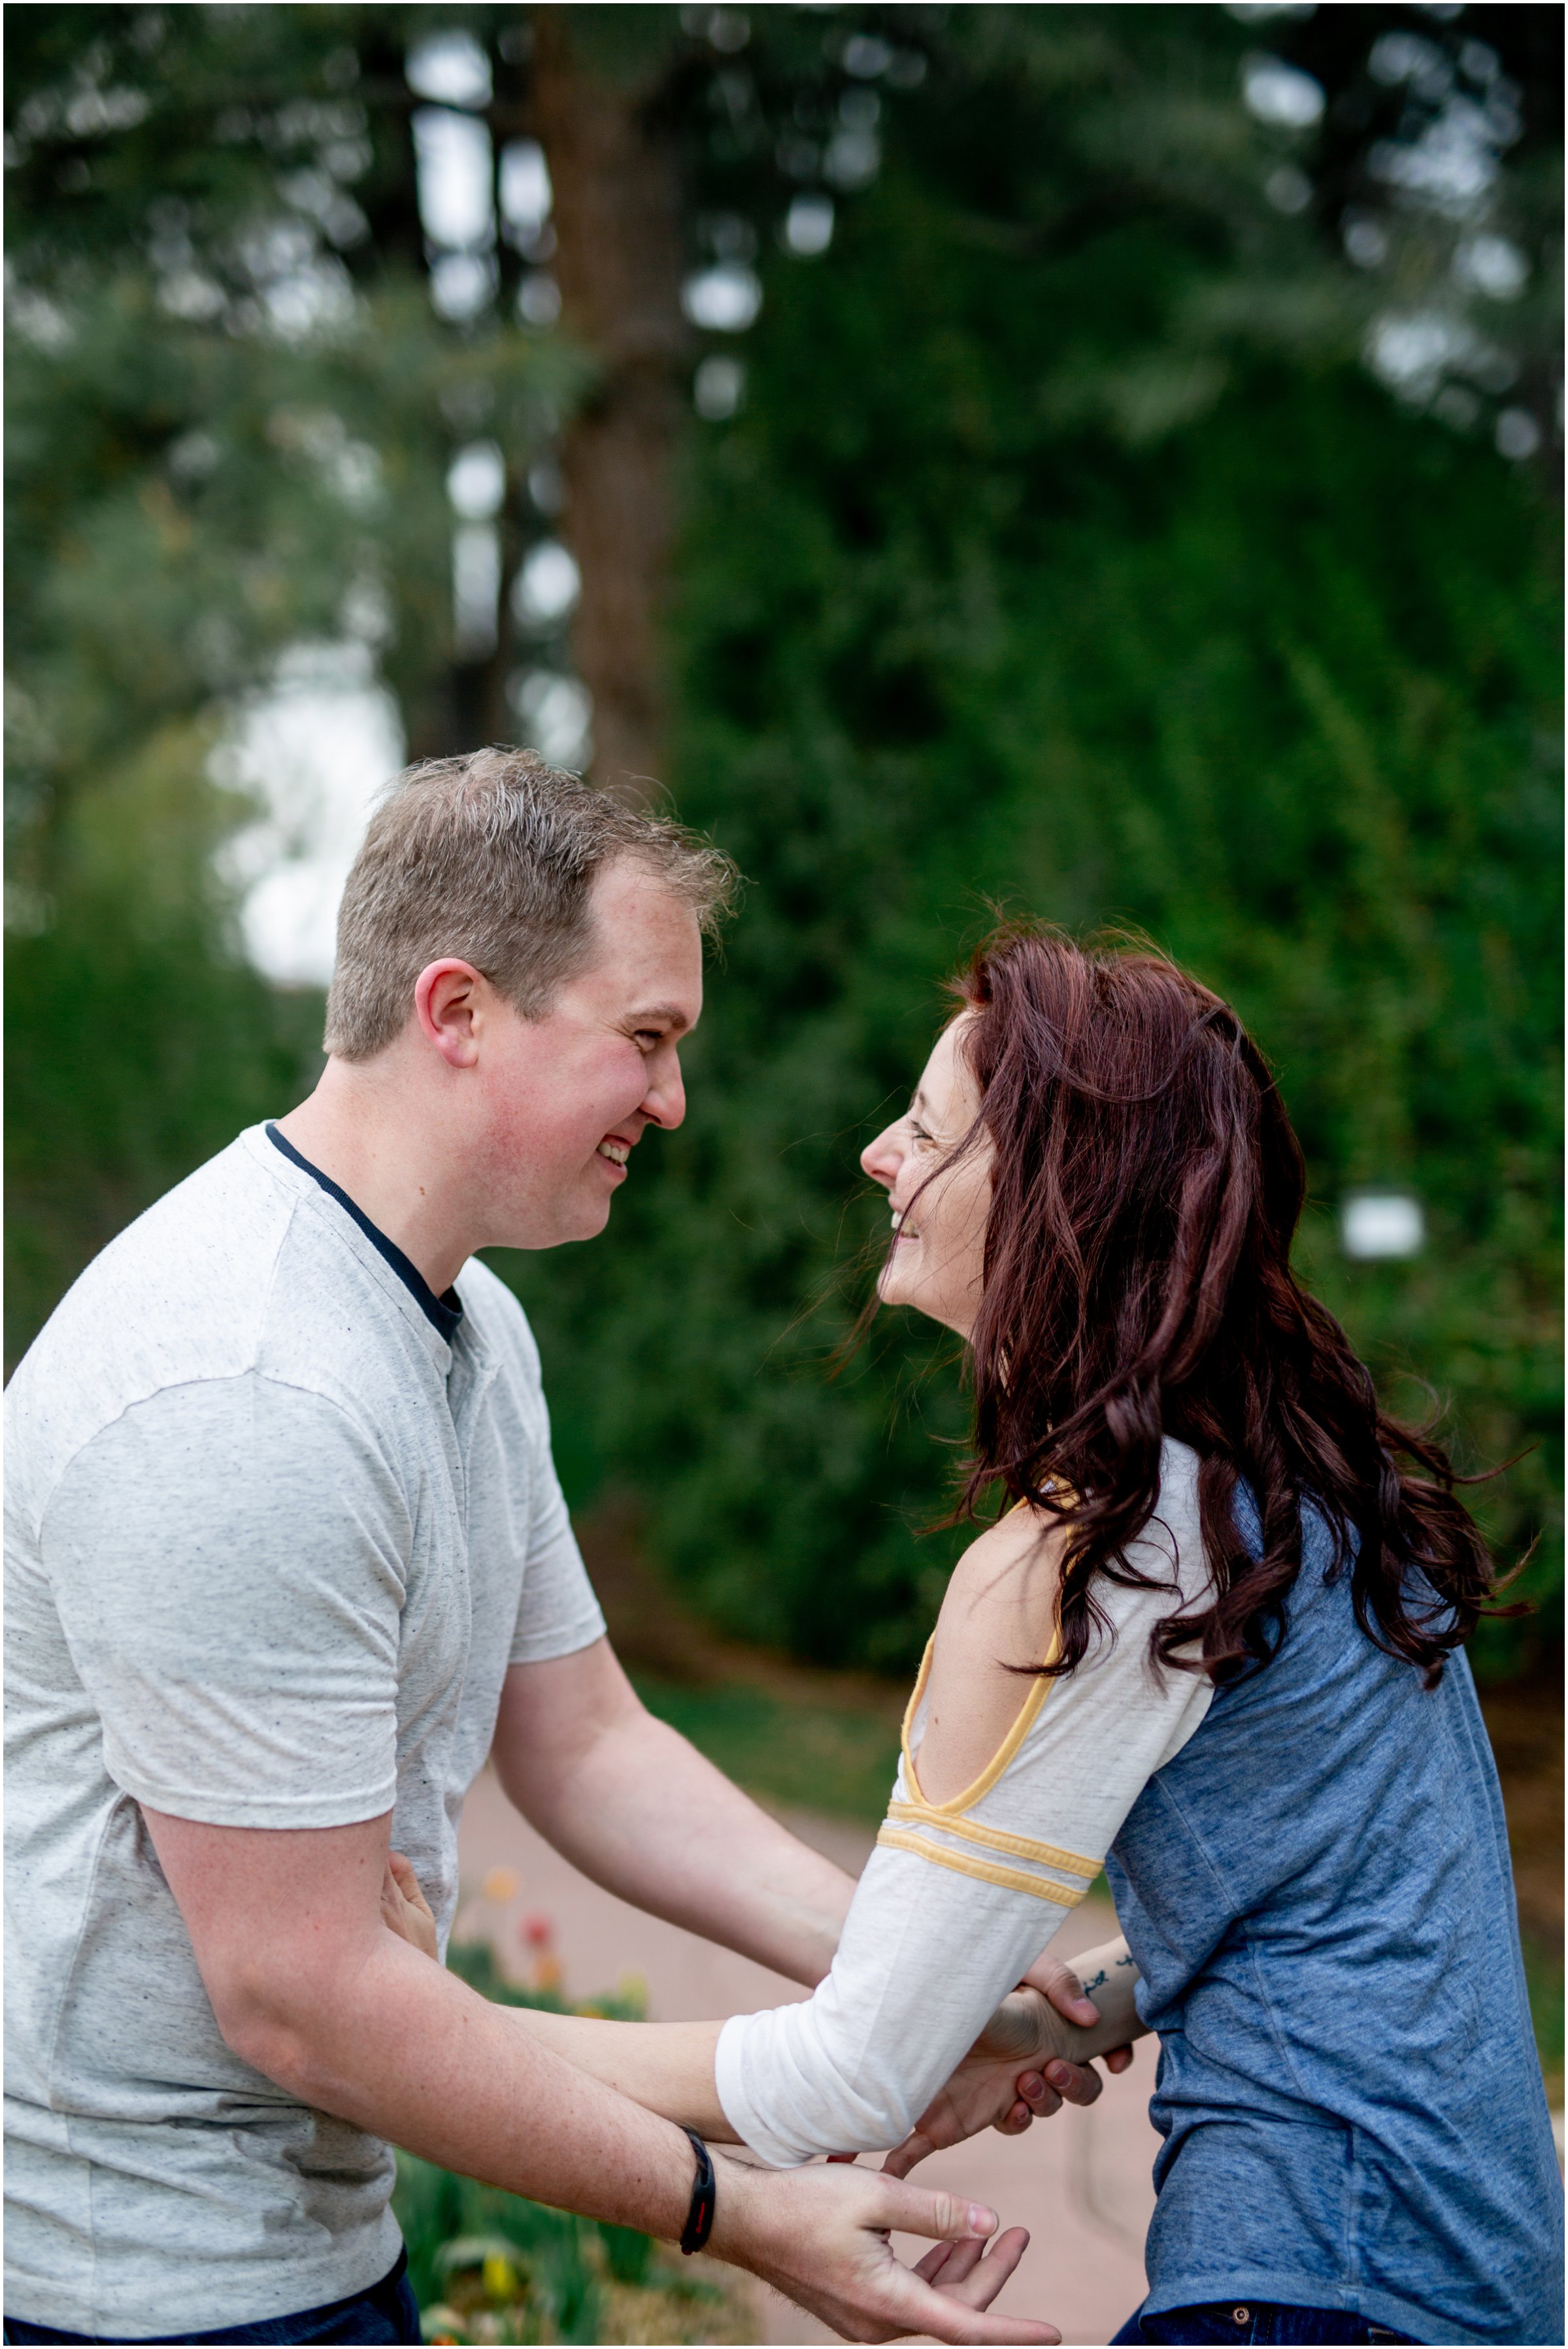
647 1817
313 1985
405 2051
669 2067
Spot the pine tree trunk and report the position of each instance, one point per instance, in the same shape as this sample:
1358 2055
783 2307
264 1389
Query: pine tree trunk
614 173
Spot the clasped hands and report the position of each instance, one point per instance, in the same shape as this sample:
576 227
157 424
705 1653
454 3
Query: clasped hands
1032 2056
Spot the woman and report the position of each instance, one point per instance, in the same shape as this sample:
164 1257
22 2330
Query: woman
1214 1644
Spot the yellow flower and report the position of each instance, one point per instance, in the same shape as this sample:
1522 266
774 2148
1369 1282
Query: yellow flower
501 2279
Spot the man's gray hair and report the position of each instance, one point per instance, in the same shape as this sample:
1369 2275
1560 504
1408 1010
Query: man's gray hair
491 858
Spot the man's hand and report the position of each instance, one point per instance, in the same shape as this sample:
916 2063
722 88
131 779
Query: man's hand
1063 1985
849 2277
1032 2055
989 2088
310 1986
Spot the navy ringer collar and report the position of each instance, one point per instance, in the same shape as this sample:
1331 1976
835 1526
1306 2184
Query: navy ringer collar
443 1313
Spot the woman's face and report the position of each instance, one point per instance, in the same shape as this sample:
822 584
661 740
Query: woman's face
939 1242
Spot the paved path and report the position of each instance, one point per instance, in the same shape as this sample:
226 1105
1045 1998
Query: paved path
1080 2183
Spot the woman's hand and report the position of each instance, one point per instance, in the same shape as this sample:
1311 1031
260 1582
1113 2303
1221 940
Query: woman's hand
1033 2056
404 1909
1000 2084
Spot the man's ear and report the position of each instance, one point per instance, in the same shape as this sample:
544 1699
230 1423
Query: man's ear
447 1004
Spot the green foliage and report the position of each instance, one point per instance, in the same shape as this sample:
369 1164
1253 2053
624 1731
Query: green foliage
488 2267
524 2254
129 1060
474 1963
1060 554
1272 677
822 1756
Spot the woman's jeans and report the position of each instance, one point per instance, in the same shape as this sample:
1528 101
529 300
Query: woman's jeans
1260 2321
387 2312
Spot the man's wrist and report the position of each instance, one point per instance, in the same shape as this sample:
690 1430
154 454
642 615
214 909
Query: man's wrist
738 2208
699 2210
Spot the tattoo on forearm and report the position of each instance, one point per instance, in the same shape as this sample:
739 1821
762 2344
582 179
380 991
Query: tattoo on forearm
1098 1982
1127 1961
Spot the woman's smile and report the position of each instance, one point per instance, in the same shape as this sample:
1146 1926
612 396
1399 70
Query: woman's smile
936 1157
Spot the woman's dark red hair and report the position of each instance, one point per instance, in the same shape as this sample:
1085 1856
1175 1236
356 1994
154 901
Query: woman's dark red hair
1147 1187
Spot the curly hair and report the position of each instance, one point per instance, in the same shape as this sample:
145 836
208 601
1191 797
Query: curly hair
1147 1186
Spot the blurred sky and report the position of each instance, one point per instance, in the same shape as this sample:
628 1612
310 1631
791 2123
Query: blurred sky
315 754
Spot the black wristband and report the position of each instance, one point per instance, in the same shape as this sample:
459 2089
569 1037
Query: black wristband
704 2198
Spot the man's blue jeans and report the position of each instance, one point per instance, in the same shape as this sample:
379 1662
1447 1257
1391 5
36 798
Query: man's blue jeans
387 2312
1256 2321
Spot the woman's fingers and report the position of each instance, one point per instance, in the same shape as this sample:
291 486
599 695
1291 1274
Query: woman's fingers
404 1908
983 2277
935 2263
1039 2095
407 1883
1118 2058
1061 2083
1014 2122
903 2157
1076 2083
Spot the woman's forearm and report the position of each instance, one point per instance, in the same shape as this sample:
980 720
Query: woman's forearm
666 2066
1110 1976
1028 2031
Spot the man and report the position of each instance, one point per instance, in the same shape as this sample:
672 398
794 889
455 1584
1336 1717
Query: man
286 1558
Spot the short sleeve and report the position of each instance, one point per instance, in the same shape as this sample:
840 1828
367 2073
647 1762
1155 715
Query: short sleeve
229 1561
559 1612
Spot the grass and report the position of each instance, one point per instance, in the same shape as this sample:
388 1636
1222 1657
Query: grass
807 1756
489 2267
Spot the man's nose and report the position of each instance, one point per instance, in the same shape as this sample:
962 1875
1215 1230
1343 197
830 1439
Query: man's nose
664 1103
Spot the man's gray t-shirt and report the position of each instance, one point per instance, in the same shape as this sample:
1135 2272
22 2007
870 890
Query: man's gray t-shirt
273 1538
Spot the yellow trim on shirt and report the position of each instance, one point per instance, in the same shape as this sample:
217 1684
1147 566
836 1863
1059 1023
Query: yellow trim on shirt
1047 1854
1005 1752
1011 1878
